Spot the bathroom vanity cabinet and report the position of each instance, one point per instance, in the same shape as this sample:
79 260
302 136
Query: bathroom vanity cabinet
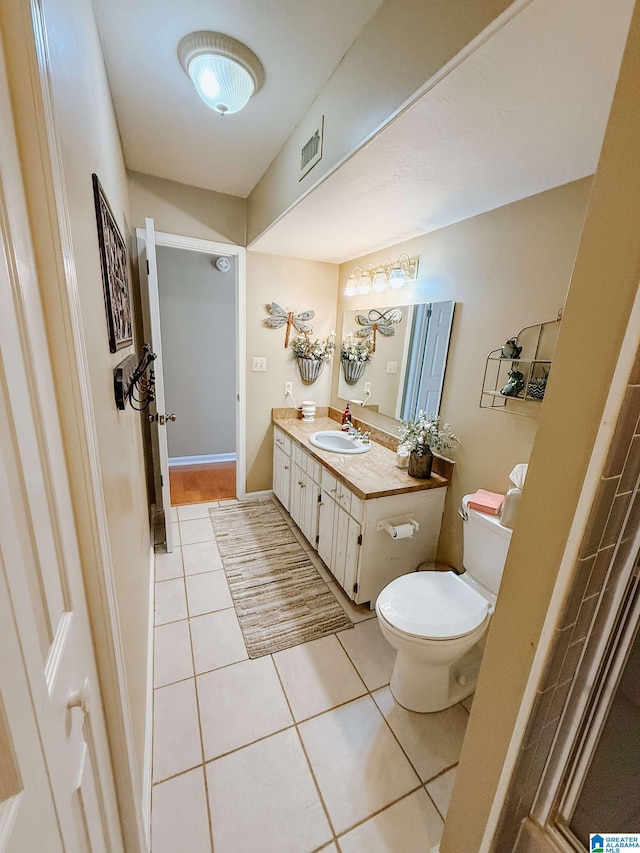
343 522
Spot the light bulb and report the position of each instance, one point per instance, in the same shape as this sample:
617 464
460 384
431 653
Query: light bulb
379 280
397 277
364 284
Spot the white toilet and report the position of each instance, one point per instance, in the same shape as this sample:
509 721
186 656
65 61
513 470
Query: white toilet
437 620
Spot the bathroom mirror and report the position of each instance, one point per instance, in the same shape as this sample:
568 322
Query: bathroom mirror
406 371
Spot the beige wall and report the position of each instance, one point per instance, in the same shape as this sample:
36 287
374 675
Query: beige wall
295 285
187 211
603 286
403 45
504 269
90 143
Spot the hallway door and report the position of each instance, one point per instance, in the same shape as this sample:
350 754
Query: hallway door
56 784
151 317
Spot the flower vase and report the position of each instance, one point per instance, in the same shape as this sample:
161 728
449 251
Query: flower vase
353 370
310 369
420 466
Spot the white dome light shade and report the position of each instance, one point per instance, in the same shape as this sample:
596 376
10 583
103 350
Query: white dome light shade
222 84
223 70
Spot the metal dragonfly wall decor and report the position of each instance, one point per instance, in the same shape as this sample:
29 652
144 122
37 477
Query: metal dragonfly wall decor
279 316
378 321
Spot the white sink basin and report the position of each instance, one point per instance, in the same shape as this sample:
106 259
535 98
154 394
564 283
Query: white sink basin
337 442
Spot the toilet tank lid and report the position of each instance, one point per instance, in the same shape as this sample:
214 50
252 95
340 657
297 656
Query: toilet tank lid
437 605
491 521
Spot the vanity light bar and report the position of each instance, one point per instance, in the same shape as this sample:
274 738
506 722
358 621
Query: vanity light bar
386 275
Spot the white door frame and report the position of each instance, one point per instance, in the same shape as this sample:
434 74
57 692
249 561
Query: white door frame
212 247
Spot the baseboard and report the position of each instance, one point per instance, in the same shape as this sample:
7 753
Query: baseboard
255 496
148 734
209 459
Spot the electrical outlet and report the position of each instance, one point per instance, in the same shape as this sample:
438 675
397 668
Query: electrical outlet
367 387
259 364
392 367
288 388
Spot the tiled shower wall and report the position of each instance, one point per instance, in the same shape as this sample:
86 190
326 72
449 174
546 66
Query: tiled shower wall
613 522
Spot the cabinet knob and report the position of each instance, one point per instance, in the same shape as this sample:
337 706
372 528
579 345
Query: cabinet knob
286 467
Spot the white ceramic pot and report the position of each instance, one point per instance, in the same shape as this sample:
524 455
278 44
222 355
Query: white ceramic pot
308 410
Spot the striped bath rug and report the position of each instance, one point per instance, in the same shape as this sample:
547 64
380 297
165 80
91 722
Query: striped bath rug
279 596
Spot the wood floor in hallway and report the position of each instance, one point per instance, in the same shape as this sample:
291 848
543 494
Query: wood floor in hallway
192 484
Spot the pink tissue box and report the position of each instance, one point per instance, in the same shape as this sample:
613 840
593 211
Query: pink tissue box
489 502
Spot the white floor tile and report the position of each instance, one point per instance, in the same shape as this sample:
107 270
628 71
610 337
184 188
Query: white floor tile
228 502
201 557
176 733
169 566
171 601
372 655
208 592
240 704
317 676
433 742
262 798
179 817
355 612
357 762
174 513
412 826
187 513
196 530
440 790
172 653
217 640
175 529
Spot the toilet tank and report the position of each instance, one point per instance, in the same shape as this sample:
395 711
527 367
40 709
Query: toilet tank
485 544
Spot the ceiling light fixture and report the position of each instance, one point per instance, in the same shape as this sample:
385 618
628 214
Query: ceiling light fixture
385 275
223 70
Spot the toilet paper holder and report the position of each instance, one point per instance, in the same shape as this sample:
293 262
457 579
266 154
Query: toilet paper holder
392 525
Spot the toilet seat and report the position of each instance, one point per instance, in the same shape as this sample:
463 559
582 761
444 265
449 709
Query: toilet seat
432 605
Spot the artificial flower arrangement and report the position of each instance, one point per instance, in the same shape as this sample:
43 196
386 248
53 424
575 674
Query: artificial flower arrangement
421 437
355 349
303 347
425 433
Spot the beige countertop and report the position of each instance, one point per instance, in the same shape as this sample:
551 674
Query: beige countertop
369 475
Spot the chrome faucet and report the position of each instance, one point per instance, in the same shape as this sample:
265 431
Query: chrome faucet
351 431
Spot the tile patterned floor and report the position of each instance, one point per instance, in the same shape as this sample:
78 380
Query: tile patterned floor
300 751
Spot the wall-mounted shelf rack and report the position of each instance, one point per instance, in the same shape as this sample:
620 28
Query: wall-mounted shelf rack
511 383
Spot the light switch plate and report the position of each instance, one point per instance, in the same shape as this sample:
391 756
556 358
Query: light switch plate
259 364
392 367
288 388
367 387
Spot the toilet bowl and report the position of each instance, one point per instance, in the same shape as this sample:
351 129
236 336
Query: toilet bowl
437 620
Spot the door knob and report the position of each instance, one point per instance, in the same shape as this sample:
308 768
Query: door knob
161 419
80 698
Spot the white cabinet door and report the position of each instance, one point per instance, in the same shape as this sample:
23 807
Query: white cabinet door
339 543
298 485
310 513
304 503
352 558
325 529
281 476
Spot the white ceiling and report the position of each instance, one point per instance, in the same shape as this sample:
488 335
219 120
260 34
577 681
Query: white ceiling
526 112
167 131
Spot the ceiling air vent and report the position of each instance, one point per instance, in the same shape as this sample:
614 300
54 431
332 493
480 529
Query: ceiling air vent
311 152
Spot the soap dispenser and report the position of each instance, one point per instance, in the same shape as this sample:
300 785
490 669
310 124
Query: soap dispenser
346 417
